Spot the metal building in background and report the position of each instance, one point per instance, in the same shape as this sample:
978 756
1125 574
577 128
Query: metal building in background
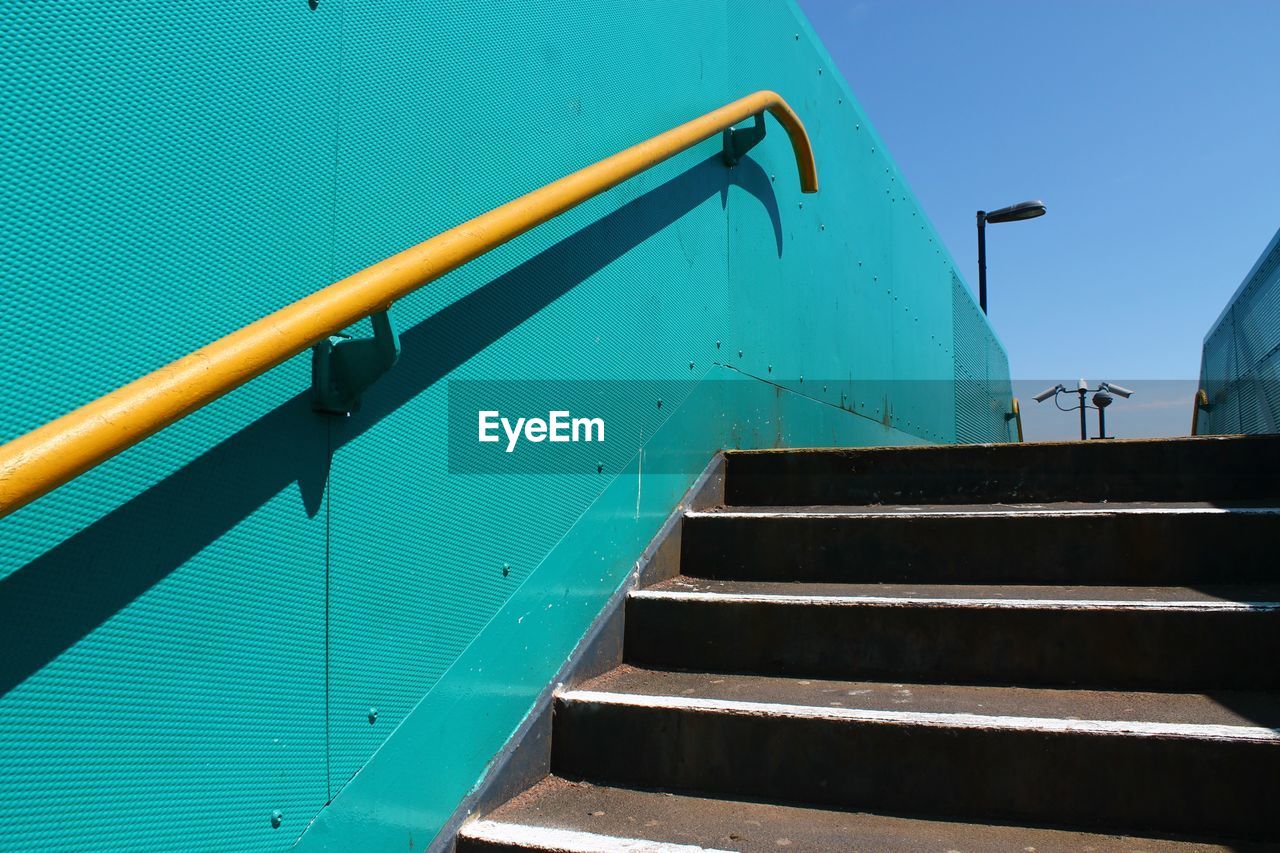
1240 367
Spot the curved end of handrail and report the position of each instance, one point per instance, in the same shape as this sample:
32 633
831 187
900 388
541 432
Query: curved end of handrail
1201 402
800 144
1015 413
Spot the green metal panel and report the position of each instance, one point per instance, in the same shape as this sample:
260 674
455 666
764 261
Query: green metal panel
164 177
1240 365
202 629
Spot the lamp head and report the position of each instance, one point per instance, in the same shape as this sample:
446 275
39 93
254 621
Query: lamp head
1017 212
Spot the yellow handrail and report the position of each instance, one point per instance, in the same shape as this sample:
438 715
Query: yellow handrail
1201 402
1017 416
61 450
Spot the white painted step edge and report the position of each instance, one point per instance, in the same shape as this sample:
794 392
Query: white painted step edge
1010 512
1051 725
556 840
1204 606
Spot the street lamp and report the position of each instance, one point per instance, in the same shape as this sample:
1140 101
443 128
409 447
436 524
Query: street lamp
1012 213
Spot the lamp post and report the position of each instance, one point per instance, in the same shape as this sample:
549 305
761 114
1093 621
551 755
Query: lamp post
1012 213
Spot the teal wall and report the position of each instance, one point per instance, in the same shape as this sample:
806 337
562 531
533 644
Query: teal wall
1240 367
196 631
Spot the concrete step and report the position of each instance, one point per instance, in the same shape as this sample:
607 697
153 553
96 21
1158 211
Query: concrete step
561 815
1189 469
1156 638
1147 544
1163 764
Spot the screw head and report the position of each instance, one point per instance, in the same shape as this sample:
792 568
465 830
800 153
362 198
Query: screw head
506 569
373 716
277 818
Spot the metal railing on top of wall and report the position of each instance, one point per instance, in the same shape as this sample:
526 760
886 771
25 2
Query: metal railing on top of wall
61 450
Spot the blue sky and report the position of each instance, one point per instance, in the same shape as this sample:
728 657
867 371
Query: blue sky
1150 129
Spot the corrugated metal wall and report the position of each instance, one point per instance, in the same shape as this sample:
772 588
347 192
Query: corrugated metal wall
197 633
1240 368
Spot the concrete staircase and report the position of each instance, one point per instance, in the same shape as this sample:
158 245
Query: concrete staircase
1029 647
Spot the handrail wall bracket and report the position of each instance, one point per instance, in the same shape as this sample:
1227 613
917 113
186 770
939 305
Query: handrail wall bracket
343 367
738 141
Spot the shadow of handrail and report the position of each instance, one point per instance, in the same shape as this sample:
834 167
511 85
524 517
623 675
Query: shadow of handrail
54 601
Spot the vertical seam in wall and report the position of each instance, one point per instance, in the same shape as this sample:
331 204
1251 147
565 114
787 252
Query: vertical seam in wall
328 548
728 317
328 491
337 147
